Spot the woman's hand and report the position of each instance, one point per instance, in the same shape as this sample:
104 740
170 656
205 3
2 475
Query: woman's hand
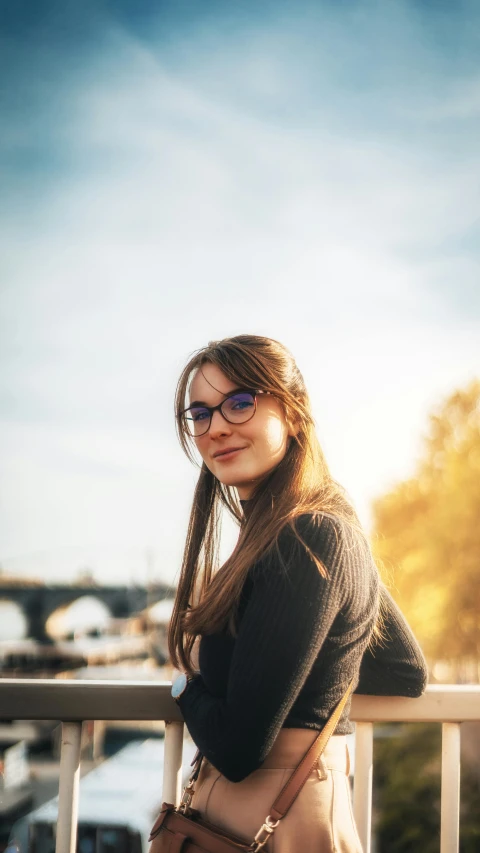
193 657
176 673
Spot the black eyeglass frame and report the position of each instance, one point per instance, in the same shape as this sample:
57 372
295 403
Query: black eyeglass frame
211 409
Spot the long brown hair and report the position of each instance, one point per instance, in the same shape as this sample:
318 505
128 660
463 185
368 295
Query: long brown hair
207 596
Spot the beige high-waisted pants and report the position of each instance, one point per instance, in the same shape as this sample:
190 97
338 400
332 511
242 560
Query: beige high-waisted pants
321 818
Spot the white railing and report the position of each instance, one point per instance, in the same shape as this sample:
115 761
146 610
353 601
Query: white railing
75 701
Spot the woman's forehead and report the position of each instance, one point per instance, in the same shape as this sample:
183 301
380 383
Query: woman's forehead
209 385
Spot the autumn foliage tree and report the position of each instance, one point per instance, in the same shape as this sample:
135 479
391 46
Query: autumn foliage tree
427 534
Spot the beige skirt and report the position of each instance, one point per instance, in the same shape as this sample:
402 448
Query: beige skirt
321 818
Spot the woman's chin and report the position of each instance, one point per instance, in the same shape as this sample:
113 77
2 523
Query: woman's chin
243 484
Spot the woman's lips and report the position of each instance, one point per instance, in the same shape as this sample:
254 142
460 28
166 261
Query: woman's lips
229 454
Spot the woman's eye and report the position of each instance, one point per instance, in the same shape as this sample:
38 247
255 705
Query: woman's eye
200 415
241 402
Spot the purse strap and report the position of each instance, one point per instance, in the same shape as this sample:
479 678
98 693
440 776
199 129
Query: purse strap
292 788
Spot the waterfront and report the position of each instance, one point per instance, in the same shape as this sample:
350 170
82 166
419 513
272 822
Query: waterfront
83 641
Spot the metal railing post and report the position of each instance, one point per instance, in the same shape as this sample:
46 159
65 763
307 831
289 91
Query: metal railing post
172 768
68 788
450 808
98 739
362 785
54 699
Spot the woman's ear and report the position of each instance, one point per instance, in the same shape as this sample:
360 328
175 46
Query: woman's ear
292 421
293 427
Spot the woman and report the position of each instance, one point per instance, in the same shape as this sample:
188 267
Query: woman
290 618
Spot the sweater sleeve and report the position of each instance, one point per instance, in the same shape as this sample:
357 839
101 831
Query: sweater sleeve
287 618
394 664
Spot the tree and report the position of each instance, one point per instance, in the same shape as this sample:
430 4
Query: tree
407 761
427 533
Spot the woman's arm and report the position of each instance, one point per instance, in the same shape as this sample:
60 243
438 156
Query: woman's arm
394 664
286 620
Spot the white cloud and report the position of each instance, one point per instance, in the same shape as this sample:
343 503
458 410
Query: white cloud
193 216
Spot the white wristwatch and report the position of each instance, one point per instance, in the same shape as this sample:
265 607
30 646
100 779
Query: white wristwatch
179 685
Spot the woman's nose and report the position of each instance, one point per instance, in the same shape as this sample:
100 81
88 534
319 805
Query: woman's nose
219 426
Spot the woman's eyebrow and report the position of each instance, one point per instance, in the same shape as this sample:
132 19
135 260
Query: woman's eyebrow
225 394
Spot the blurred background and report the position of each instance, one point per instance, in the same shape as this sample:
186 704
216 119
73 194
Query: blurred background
177 172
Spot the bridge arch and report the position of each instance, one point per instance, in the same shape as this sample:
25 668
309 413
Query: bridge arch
13 622
37 601
87 613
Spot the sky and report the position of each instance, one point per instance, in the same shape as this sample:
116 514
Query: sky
178 172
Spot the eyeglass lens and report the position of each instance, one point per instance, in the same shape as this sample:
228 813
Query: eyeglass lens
236 409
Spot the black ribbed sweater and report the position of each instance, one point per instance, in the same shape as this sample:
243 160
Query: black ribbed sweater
301 639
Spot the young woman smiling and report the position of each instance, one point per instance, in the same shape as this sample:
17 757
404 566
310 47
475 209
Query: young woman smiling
290 619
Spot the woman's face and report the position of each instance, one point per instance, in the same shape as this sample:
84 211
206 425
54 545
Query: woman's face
239 455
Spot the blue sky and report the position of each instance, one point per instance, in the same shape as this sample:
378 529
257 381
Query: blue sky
172 173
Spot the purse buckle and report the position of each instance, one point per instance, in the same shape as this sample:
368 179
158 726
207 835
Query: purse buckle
187 798
264 834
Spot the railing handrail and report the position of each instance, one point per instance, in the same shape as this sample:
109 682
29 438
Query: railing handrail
74 701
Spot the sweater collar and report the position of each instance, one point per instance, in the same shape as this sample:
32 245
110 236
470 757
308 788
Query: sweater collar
246 507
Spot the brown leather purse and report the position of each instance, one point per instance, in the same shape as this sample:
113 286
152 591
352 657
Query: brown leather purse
183 830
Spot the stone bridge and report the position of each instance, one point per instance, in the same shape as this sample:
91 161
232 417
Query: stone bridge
38 602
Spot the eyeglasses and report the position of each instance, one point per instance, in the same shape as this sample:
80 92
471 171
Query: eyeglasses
237 408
